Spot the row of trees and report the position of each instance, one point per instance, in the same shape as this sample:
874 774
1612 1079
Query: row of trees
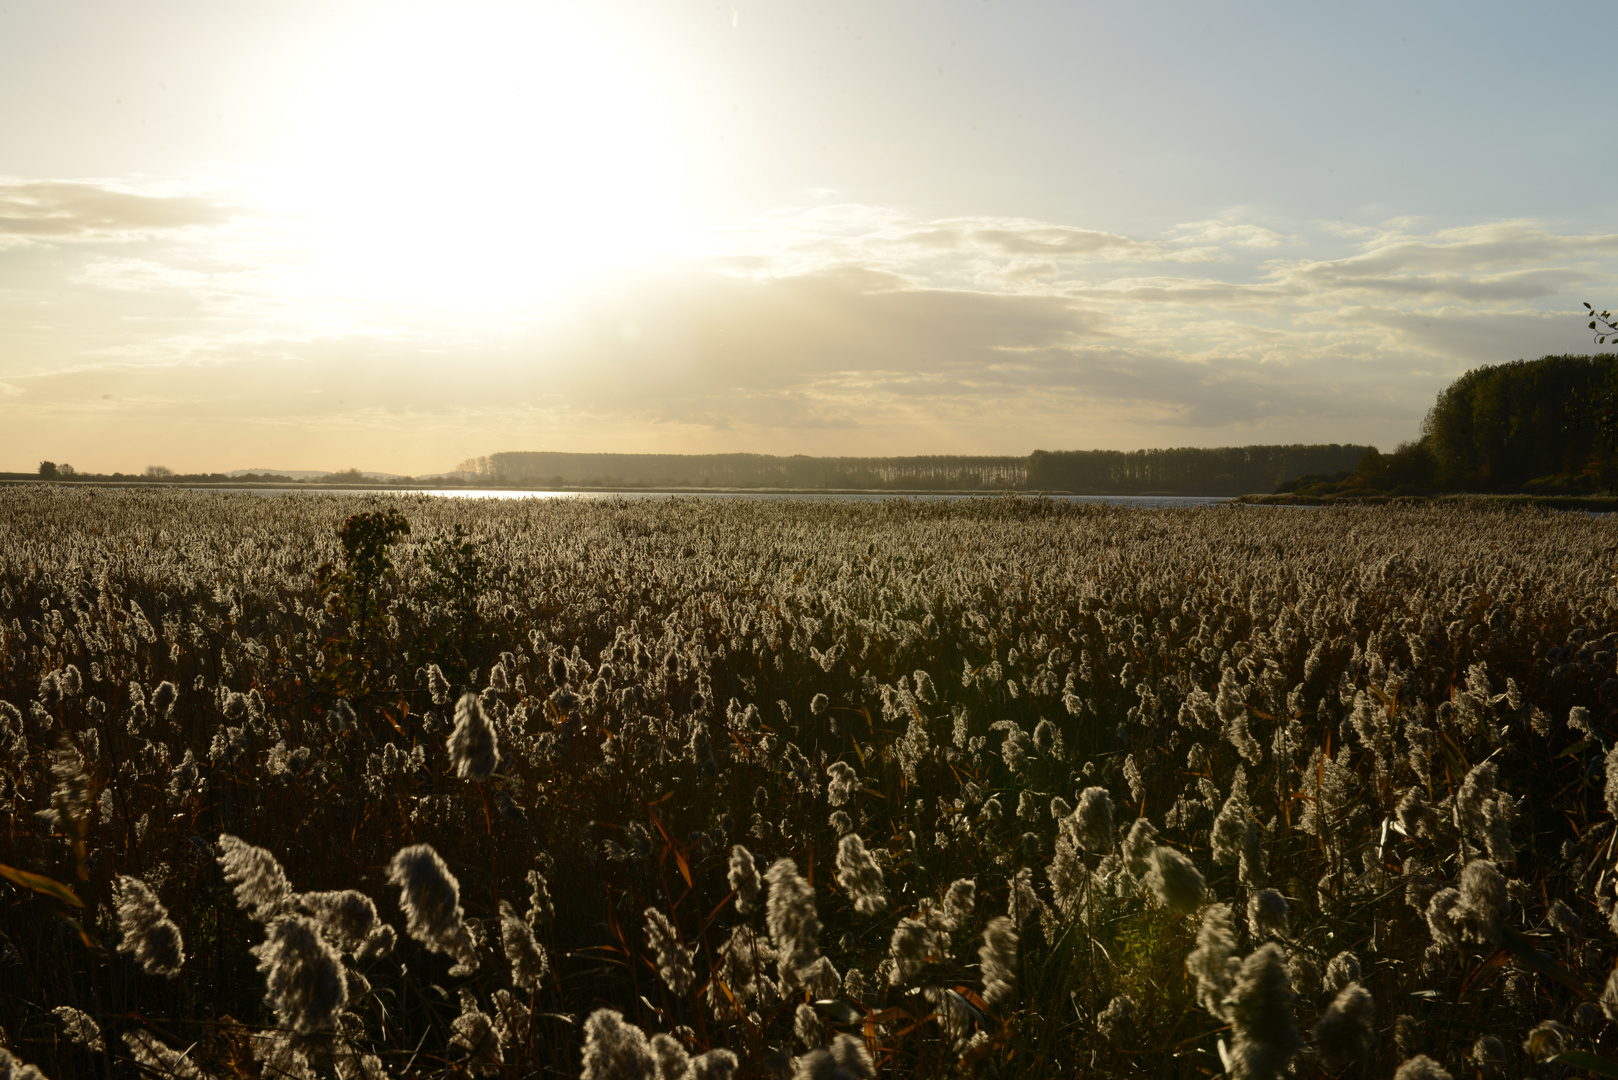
1230 470
1540 426
1225 470
161 474
937 472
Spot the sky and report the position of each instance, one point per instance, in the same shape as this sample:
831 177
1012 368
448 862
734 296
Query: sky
395 235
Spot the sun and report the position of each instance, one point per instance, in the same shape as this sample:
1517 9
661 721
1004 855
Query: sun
485 154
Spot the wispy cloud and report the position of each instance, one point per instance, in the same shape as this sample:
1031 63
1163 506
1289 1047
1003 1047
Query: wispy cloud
59 210
1230 230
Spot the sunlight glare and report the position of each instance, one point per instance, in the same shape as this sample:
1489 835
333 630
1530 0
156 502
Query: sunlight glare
485 154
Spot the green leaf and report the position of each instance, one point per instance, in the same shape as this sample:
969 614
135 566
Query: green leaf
1577 748
41 884
1583 1059
1532 957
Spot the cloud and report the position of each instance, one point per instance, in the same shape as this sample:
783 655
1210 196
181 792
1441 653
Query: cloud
1495 261
837 329
1232 232
1191 292
818 237
77 210
1055 240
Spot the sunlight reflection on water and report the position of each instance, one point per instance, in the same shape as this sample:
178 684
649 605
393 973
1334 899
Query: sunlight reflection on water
1151 501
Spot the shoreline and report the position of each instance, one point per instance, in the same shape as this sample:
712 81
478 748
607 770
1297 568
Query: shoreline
1595 503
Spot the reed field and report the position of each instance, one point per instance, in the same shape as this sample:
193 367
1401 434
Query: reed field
686 789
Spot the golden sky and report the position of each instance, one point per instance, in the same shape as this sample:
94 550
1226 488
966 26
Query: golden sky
396 235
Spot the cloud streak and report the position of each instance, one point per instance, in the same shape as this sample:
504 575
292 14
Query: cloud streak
57 210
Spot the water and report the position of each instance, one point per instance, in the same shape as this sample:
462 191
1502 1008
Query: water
1144 501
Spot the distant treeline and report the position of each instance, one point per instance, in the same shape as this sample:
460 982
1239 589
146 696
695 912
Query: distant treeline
1222 471
1225 470
157 474
943 472
1545 426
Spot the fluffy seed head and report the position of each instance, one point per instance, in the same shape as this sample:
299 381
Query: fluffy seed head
744 879
1138 847
78 1027
1564 918
912 945
1490 1052
1265 1035
476 1037
1022 901
1345 1031
1343 969
998 959
1415 817
437 685
12 1068
673 958
1267 915
860 876
844 782
346 917
790 914
304 974
961 901
1441 923
1548 1039
1483 900
1213 962
713 1065
672 1059
615 1049
807 1026
1612 779
525 955
1117 1021
1093 819
163 699
70 788
1421 1067
157 1057
1175 880
431 899
341 716
149 935
262 889
540 908
1609 995
473 747
741 963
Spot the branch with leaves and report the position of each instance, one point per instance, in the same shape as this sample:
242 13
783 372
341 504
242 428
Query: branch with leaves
1602 322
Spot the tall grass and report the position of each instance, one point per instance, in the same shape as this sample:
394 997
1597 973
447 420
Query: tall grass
694 788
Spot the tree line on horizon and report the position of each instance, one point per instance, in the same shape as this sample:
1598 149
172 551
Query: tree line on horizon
1180 471
934 472
1546 426
161 474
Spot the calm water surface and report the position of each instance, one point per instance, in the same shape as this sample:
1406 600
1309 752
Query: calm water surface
1152 501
